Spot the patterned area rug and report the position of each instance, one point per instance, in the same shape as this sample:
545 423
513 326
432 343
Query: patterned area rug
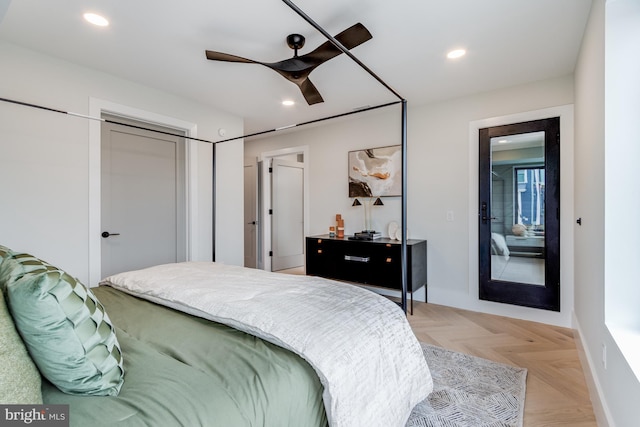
469 391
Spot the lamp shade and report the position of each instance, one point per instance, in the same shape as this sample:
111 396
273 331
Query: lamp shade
356 202
378 202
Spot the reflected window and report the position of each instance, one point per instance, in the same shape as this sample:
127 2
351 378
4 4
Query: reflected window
529 197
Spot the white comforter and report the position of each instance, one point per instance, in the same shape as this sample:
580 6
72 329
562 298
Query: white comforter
359 343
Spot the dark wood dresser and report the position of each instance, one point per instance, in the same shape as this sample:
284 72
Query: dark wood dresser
370 262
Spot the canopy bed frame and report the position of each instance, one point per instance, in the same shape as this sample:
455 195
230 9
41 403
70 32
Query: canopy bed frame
403 133
382 333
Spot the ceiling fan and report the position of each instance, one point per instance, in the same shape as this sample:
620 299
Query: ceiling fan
298 68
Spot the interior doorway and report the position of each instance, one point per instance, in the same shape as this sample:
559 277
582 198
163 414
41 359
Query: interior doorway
287 246
99 107
287 214
143 196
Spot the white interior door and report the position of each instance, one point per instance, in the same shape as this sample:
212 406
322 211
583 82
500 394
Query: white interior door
142 199
287 219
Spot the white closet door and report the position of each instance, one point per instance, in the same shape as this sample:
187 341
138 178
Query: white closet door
142 212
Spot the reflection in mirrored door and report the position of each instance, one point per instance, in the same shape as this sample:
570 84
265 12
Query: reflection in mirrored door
517 208
519 214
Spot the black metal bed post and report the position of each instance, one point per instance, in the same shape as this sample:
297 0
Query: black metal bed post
403 257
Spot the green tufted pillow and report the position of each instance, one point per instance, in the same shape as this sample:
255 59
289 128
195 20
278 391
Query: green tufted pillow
64 326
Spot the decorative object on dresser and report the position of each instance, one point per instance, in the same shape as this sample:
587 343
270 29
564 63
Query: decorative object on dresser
365 235
369 262
392 229
367 213
395 231
339 226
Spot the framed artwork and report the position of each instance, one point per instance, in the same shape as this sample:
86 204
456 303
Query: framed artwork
375 172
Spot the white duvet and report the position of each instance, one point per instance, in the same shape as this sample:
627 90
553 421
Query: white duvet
359 343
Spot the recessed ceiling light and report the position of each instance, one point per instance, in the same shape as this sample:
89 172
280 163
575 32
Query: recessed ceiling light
456 53
288 103
96 19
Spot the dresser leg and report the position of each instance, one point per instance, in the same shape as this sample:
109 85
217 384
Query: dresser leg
411 294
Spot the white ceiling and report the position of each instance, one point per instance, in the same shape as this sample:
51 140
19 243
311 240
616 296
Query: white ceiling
161 43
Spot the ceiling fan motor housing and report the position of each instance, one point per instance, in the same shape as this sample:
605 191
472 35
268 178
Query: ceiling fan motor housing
295 41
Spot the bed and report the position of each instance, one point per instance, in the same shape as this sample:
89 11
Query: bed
216 345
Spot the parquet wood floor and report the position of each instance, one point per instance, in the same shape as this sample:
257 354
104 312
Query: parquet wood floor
557 393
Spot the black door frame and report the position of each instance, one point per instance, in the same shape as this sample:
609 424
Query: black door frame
548 296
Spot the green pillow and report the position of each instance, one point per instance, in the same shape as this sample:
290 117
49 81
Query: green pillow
19 378
64 326
4 253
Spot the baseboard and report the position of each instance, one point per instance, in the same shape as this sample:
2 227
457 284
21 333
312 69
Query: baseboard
600 408
467 301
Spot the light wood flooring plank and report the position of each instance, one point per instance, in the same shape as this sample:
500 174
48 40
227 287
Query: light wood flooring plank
557 393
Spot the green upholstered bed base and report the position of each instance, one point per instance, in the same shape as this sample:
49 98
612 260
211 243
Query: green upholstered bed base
182 370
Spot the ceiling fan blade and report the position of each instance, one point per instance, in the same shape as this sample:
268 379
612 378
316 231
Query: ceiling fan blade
354 36
350 38
310 93
219 56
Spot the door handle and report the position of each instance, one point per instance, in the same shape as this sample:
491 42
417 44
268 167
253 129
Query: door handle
486 218
106 234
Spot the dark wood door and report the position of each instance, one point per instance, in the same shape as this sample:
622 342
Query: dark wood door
519 229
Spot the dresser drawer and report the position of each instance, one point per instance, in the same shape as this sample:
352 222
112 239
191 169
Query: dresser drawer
320 258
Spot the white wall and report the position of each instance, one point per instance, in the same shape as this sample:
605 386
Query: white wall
438 178
615 386
229 215
44 160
